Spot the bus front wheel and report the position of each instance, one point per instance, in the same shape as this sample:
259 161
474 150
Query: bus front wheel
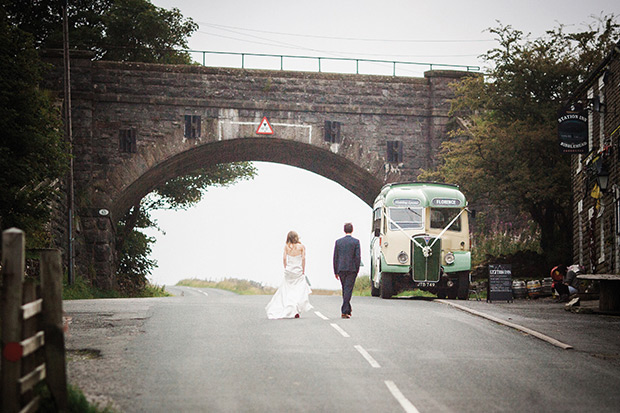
463 285
386 285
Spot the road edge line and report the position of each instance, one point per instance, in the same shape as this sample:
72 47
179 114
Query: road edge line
529 331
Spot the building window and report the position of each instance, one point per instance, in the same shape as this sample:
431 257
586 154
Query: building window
394 151
127 141
192 126
332 131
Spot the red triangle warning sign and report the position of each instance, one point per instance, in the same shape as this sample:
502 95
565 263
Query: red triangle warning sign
264 128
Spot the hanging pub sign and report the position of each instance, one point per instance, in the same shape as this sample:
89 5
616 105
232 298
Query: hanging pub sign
573 129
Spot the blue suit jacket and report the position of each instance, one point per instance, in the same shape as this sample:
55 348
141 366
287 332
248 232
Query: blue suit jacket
347 255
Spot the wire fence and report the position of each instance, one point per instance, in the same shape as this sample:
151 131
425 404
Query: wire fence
319 63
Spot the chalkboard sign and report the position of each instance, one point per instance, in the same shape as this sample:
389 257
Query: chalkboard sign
500 282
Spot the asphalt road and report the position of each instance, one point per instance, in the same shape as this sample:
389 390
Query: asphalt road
214 351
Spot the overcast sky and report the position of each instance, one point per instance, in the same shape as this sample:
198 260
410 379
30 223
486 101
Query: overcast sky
240 231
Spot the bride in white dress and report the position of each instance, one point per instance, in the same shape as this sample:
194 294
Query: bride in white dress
291 298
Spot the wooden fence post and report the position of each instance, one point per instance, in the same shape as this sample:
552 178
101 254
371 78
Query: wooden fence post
51 292
13 264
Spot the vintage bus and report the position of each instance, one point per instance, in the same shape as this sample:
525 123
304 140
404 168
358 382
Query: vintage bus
420 240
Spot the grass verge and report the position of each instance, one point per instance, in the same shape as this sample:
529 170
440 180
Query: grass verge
243 287
83 290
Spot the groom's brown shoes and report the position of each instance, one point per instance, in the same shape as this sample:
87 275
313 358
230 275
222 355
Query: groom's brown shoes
345 316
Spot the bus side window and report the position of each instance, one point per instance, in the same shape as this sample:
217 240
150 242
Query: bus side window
376 222
385 220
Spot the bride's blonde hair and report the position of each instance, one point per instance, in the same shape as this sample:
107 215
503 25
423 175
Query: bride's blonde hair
292 238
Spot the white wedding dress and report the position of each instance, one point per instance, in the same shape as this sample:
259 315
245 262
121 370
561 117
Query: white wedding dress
291 298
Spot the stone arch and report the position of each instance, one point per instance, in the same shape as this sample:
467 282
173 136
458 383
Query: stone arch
305 156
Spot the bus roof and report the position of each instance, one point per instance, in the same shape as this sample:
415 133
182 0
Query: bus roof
422 194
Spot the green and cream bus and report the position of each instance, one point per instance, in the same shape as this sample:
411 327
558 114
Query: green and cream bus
420 240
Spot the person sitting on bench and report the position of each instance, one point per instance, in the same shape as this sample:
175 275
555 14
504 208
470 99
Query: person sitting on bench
565 281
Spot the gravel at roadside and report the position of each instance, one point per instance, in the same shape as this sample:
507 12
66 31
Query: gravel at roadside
96 342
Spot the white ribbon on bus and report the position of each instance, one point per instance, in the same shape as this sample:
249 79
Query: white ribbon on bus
426 250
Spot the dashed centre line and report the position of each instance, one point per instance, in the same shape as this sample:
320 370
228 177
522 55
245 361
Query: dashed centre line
407 406
404 402
340 330
318 313
202 292
367 356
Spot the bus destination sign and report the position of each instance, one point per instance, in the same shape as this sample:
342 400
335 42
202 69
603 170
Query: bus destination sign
406 202
446 202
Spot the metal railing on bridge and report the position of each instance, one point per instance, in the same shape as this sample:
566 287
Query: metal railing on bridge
321 60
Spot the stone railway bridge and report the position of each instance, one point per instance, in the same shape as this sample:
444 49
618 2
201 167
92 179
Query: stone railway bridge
137 125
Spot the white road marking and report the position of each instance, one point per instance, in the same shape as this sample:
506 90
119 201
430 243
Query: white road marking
321 315
367 356
202 292
406 404
340 330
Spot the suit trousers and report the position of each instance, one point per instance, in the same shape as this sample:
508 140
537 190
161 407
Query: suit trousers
347 280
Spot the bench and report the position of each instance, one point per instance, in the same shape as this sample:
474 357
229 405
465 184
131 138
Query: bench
610 290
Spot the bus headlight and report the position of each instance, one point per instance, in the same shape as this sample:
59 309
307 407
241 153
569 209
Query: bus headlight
449 258
403 257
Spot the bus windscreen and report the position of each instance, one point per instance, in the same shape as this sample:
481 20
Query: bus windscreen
406 218
441 217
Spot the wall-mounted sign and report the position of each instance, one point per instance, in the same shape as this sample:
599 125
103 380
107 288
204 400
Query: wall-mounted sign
573 129
264 128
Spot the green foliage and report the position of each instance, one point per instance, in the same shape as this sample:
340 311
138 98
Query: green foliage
154 33
185 191
81 289
32 152
503 238
77 402
121 30
134 248
504 154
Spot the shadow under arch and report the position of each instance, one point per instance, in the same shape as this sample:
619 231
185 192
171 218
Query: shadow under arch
305 156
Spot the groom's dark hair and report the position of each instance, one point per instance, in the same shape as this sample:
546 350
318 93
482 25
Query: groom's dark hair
348 228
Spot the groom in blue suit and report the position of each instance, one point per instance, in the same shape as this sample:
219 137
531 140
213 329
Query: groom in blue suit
346 266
